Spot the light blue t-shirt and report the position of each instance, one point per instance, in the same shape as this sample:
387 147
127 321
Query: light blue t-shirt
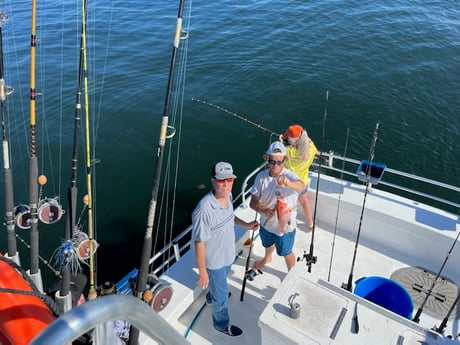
267 198
214 224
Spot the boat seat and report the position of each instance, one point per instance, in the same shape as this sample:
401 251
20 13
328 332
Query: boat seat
183 275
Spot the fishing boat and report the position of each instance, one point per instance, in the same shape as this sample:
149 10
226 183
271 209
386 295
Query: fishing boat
396 283
379 266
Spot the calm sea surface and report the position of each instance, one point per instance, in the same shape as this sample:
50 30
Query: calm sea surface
272 62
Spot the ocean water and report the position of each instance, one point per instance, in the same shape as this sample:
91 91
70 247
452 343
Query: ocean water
392 62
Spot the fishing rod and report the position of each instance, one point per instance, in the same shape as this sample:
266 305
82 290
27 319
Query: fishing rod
89 165
7 173
247 274
416 318
338 204
248 259
147 243
237 116
310 258
348 285
72 190
33 162
443 324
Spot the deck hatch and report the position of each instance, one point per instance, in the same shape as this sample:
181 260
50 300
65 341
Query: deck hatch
418 282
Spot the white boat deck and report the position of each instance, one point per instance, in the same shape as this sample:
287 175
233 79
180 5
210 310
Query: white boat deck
395 233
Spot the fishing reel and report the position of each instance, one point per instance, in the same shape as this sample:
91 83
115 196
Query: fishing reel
108 288
158 293
252 273
309 258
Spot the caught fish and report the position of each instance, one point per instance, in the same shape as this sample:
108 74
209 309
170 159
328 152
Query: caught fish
283 213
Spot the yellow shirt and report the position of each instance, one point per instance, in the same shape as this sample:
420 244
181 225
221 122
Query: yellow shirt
297 165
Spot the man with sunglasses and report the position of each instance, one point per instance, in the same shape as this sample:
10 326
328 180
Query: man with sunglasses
213 234
270 184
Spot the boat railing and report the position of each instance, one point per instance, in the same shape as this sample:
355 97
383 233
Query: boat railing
83 319
395 181
171 252
245 185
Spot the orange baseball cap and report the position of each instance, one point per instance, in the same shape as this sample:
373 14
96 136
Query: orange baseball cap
294 131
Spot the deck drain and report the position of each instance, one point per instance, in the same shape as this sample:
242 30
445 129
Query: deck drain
418 282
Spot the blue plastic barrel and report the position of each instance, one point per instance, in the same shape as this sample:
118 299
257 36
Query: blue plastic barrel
387 293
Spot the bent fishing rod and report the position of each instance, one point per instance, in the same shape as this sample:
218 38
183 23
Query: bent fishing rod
236 115
338 205
348 285
429 292
310 258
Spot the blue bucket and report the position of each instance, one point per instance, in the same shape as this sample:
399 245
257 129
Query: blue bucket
386 293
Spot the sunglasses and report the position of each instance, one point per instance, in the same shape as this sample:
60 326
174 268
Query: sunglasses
273 162
229 180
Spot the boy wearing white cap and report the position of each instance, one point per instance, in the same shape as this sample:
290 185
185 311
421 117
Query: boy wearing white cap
271 187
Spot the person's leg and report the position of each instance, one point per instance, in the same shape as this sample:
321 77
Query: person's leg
218 290
266 259
284 246
303 199
290 260
268 240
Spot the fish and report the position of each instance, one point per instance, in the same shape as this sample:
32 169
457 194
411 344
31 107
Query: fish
283 213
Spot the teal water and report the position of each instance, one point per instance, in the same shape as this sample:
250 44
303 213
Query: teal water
272 62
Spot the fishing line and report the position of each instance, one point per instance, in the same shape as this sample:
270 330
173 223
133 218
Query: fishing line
237 116
428 294
44 261
368 180
310 258
338 204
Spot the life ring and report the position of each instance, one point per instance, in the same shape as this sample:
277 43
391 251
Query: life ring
22 317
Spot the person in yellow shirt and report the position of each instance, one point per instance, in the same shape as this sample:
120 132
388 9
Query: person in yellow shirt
300 153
